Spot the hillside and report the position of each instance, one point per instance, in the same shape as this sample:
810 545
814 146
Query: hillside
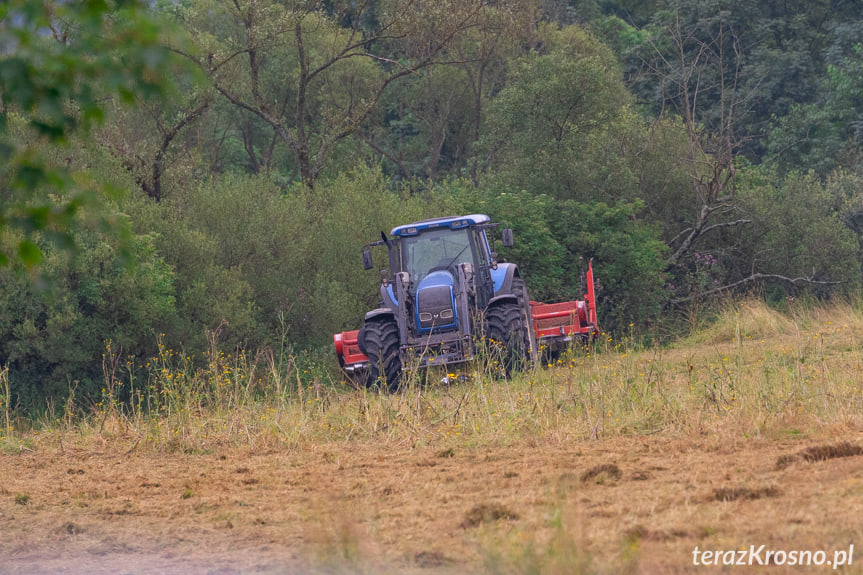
624 459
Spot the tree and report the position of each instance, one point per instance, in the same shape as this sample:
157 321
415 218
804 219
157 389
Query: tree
315 71
553 128
429 123
720 67
798 228
564 150
696 58
828 133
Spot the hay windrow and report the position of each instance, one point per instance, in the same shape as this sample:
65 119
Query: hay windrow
825 452
821 453
487 513
744 493
602 473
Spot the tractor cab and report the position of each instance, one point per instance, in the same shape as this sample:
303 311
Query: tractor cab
432 250
441 259
428 257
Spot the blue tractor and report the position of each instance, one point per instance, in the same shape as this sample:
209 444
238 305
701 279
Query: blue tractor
443 296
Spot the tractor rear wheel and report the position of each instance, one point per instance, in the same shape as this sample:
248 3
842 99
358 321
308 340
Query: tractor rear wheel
379 340
520 290
507 336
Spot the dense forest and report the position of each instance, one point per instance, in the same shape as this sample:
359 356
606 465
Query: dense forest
180 171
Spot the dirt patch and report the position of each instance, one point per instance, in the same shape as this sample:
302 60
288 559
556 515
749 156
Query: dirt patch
825 452
70 528
641 533
784 461
432 559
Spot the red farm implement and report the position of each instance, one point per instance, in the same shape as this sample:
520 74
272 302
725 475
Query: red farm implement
554 326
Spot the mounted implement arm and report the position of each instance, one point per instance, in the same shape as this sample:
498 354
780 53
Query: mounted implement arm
559 323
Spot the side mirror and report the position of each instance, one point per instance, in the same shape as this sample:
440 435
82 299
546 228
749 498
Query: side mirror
367 260
506 237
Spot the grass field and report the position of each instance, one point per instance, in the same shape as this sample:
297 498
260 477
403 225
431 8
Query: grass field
621 459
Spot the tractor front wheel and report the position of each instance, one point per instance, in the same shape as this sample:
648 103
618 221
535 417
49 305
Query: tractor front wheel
379 340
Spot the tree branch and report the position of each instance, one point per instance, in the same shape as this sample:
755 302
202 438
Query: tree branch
751 278
725 225
167 137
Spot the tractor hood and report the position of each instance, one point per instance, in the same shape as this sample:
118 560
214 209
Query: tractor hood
435 303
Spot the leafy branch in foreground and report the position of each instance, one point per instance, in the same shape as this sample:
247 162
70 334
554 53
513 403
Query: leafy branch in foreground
61 63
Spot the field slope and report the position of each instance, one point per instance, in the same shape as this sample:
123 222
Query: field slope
623 459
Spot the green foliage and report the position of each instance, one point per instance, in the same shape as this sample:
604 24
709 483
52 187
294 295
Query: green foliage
555 239
308 72
560 131
429 126
620 35
93 50
654 154
551 128
52 332
57 83
628 258
825 134
262 260
798 230
207 293
540 257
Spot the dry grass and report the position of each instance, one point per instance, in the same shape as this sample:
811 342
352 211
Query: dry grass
754 373
747 320
660 441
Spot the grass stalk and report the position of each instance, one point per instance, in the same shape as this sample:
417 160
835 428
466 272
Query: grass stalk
7 400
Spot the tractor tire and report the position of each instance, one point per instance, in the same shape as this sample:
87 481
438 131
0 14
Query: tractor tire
519 289
507 336
379 340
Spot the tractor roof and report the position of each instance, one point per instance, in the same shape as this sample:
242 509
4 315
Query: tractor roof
452 222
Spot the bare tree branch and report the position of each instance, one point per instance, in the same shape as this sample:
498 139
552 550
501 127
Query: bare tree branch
752 278
168 136
725 225
700 229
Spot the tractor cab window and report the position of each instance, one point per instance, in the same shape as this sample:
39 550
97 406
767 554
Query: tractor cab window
435 250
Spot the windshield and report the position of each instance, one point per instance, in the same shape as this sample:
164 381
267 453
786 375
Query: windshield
435 250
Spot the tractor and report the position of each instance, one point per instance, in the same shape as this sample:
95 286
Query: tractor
445 295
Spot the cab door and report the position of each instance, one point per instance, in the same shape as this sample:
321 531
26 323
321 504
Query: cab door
483 281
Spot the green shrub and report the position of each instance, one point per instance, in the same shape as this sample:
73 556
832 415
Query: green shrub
53 329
